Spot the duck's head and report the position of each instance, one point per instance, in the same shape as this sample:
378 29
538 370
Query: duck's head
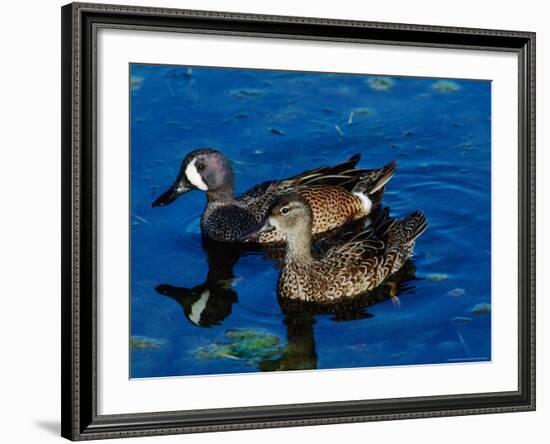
205 169
290 213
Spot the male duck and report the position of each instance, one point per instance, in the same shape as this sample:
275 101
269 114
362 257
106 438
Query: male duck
337 195
347 269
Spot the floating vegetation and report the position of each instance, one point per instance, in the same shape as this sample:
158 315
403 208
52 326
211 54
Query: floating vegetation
460 320
145 343
245 93
362 111
481 309
247 345
445 86
277 131
136 82
456 292
467 146
437 277
380 83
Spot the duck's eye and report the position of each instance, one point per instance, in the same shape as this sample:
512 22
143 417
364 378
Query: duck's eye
200 166
285 210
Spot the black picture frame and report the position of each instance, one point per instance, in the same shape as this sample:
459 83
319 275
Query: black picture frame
79 385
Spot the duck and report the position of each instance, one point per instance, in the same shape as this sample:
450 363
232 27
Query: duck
337 195
356 264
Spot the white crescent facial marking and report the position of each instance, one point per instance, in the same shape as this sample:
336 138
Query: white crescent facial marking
367 203
198 307
194 177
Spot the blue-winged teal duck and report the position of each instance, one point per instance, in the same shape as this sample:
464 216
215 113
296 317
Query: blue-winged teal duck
337 195
348 269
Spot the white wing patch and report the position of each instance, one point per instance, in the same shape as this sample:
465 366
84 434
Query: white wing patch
194 177
198 307
367 203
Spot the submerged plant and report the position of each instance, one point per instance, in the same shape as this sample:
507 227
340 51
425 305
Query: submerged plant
145 343
136 82
380 83
247 345
456 292
445 86
437 277
481 309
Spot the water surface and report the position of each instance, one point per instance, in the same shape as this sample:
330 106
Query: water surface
273 125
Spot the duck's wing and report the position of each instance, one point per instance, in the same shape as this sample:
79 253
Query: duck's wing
363 241
354 247
329 173
309 176
259 197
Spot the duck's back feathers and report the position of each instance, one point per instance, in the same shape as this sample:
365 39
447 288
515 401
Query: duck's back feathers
356 262
326 175
337 195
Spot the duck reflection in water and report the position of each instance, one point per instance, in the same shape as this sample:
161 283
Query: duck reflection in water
209 303
300 318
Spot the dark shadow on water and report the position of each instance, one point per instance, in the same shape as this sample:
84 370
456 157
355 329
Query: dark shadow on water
52 427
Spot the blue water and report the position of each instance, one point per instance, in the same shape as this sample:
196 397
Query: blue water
276 124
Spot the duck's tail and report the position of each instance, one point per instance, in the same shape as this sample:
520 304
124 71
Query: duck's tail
358 180
401 238
370 183
407 230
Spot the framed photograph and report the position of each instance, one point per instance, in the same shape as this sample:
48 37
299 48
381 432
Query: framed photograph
280 221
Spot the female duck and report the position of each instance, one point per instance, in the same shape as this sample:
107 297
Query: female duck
345 270
337 195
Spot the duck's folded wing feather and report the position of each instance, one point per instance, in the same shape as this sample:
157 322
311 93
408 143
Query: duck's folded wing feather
322 175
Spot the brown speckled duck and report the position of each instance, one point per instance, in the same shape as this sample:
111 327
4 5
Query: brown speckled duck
337 195
346 270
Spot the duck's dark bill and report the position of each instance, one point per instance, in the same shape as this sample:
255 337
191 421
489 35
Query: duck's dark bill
170 196
254 234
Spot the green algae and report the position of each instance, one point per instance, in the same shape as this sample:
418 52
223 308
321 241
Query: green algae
145 343
380 83
437 277
362 111
445 86
136 82
481 309
247 345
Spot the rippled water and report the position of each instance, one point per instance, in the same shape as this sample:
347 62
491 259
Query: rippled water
276 124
